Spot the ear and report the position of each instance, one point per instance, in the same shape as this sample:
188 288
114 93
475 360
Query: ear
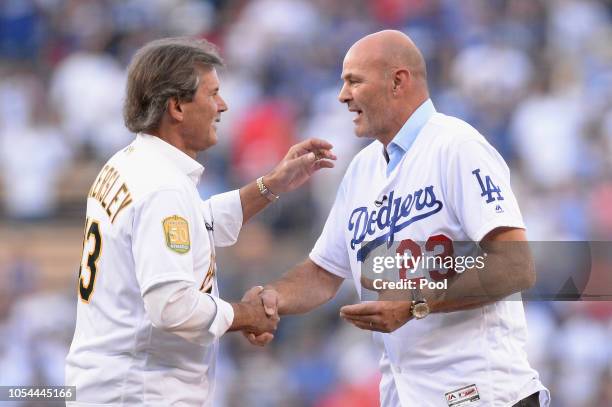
401 80
175 109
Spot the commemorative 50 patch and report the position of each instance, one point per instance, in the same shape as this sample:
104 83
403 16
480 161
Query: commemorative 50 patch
463 396
176 231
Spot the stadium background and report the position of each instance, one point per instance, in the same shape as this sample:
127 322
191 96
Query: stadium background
535 77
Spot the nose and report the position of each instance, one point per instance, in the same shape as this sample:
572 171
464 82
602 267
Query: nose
344 96
221 105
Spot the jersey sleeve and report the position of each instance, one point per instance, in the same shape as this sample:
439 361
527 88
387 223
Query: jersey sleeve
330 251
223 212
478 189
178 307
161 243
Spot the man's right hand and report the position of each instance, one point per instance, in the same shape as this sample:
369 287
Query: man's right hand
250 316
268 298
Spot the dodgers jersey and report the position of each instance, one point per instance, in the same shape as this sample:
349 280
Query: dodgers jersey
450 184
146 225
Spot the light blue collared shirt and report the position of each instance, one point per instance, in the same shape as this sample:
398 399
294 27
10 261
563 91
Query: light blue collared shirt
408 133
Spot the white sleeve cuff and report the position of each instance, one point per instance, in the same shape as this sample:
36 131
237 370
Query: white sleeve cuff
224 214
178 307
223 317
329 266
494 224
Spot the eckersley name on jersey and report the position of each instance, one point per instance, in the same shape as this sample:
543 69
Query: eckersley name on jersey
111 191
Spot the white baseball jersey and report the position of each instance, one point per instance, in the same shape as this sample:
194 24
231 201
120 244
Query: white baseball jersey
449 185
147 226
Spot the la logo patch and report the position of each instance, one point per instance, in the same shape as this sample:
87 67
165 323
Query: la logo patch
487 187
176 231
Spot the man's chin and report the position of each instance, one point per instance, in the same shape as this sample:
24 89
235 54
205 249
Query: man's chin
212 138
361 133
209 142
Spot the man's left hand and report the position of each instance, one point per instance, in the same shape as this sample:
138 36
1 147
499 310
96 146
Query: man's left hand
302 160
381 316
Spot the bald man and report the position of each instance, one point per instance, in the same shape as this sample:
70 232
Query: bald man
452 335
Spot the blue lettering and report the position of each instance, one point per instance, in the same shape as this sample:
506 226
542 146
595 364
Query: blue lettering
383 220
395 215
361 213
371 223
489 189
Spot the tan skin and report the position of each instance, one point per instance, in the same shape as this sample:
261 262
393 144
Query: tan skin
191 126
384 82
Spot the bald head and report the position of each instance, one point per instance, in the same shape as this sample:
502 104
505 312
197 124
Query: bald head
390 49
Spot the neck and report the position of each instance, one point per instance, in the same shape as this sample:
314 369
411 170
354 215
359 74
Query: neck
174 139
399 119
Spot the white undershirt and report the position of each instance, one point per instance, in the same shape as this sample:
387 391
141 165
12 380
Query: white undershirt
179 307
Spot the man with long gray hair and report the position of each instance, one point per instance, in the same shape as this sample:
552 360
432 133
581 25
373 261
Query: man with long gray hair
149 316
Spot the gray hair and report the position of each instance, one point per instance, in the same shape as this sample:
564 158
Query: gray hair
164 69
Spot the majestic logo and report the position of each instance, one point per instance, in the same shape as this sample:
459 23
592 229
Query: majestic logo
396 214
176 231
463 396
489 189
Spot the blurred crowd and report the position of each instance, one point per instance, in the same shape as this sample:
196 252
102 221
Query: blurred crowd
533 76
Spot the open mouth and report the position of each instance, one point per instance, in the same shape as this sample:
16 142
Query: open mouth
358 114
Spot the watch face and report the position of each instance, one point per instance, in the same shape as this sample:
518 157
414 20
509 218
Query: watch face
420 310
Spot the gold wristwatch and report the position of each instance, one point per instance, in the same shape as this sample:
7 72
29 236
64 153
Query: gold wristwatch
419 309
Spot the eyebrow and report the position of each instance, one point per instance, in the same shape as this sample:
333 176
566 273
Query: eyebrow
349 76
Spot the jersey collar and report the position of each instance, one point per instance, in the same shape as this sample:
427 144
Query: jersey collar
185 164
408 133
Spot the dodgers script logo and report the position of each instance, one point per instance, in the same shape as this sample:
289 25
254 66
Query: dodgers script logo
397 214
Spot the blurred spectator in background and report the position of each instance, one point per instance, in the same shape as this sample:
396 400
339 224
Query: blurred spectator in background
33 151
84 90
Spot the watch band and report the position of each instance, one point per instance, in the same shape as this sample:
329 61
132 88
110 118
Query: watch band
265 192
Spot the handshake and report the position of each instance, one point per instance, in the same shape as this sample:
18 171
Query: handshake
257 315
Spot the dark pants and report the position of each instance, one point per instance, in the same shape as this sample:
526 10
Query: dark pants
531 401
